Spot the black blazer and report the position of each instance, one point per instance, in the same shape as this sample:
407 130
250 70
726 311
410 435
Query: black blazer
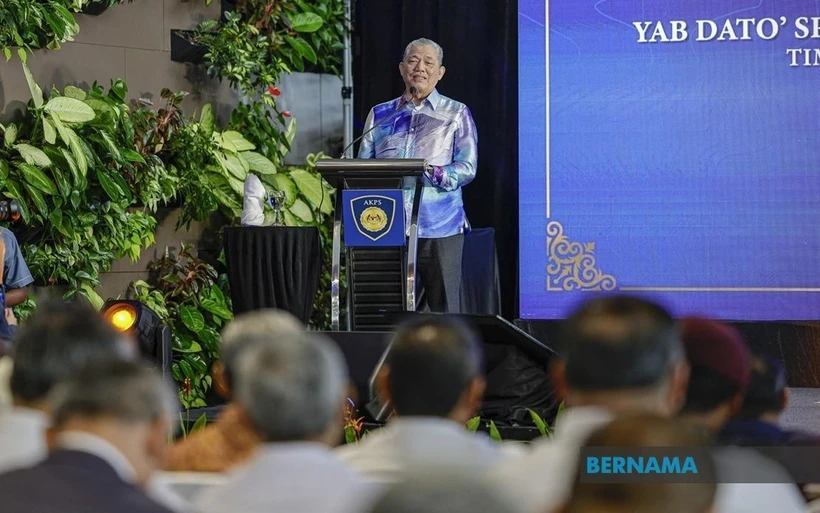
72 482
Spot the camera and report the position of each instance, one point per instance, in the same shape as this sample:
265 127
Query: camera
9 210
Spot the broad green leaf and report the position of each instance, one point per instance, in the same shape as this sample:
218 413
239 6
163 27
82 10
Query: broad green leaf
49 133
210 339
302 211
191 318
75 199
310 186
112 147
4 171
234 166
10 135
132 156
495 435
236 185
74 92
306 22
71 140
302 47
217 309
117 177
70 110
539 423
473 423
61 181
192 347
259 163
199 424
37 198
37 178
95 299
206 119
102 108
72 166
34 89
235 142
290 134
32 155
109 186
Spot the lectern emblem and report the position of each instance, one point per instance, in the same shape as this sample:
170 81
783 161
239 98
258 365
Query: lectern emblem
373 215
373 219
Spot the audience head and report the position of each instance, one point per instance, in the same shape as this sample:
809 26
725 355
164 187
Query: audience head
56 340
124 402
623 353
768 392
292 388
248 329
720 369
442 493
434 369
646 496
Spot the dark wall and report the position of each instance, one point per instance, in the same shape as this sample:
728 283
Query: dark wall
480 42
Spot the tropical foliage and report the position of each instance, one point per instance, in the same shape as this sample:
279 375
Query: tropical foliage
188 297
33 24
72 166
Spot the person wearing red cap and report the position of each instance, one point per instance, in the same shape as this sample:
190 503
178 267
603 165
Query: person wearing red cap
720 367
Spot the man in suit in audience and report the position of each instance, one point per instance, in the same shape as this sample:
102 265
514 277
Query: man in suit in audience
56 340
111 422
227 442
432 377
291 392
618 356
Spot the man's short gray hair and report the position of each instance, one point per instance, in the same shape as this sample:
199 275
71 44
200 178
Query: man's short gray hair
424 42
443 492
256 326
292 388
128 391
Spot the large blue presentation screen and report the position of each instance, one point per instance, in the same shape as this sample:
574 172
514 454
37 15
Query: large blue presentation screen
671 149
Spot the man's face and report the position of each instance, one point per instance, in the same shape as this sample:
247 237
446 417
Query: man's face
421 69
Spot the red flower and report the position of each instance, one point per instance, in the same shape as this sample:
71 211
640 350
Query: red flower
274 91
52 281
286 113
187 386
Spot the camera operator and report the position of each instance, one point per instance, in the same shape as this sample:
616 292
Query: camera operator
16 276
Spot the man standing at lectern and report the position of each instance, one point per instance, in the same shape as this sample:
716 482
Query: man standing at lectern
424 124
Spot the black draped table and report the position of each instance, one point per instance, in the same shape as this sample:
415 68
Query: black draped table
273 267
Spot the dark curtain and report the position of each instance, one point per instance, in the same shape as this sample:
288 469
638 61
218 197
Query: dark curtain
480 42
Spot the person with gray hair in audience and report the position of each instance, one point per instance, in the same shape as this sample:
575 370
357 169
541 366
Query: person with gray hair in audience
442 492
433 379
111 423
55 341
291 392
228 442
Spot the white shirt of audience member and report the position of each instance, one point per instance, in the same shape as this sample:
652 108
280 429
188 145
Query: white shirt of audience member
22 438
410 444
542 480
290 477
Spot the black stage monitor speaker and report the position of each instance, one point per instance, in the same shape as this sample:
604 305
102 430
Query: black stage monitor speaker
515 365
